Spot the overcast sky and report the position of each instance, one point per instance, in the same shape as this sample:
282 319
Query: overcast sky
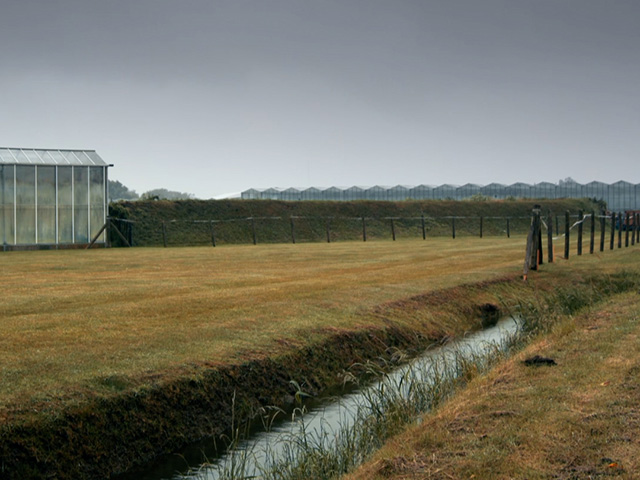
217 96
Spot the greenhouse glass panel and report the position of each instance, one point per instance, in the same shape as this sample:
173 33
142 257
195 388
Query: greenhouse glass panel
7 231
46 204
80 205
25 204
65 205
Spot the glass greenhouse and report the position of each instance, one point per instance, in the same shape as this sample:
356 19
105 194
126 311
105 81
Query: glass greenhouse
619 196
51 197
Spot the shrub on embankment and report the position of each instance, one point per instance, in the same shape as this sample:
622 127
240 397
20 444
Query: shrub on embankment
202 222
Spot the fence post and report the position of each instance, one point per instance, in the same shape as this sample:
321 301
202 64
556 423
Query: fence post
213 235
550 237
164 234
293 231
328 232
424 230
393 230
613 230
532 255
592 242
602 233
637 227
508 228
581 221
481 222
620 220
626 229
253 230
453 227
566 235
364 231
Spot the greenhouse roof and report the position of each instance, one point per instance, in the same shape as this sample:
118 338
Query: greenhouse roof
38 156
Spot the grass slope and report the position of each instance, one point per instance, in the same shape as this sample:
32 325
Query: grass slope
273 219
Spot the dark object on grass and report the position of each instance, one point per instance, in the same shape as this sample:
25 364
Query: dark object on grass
538 360
490 314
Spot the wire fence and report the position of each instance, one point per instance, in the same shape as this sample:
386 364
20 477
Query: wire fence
308 229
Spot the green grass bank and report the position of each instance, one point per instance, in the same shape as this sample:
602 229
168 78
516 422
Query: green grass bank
195 222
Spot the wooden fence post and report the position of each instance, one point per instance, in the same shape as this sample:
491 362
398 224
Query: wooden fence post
592 241
393 230
566 235
581 221
164 234
293 231
364 231
328 232
508 228
424 230
453 227
626 229
481 222
213 235
620 220
550 237
532 255
253 231
613 230
602 230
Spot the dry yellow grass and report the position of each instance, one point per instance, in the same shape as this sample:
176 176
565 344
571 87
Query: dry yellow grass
71 319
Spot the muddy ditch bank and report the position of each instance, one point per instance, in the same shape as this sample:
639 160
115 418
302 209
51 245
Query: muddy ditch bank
101 437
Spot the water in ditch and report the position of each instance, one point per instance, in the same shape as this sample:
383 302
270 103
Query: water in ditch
320 420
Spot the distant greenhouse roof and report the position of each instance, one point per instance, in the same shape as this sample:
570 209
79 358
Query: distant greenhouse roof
39 156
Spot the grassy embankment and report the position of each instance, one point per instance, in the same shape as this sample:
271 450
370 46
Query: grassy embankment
577 419
273 219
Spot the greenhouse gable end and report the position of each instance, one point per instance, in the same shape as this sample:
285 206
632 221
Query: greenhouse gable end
51 197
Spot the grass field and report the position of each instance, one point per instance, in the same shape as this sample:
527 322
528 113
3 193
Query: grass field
75 320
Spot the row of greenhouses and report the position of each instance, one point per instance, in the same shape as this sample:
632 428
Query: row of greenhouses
618 196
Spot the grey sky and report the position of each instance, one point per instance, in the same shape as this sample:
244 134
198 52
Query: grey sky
217 96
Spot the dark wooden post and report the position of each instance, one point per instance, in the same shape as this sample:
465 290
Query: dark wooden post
213 235
550 237
602 231
613 230
164 234
424 230
592 241
293 231
453 227
481 222
637 227
626 229
540 252
632 227
620 220
532 255
566 235
364 230
328 232
108 239
508 228
393 230
580 223
253 231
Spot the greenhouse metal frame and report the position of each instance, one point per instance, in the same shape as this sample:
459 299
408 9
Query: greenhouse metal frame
52 197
